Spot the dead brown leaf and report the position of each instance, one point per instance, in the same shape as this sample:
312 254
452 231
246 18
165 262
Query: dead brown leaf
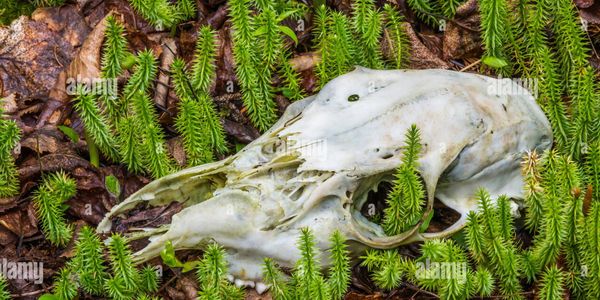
584 3
421 56
34 52
175 146
21 222
357 296
251 294
9 104
243 134
6 236
85 66
226 79
591 13
187 284
175 294
44 141
305 61
461 37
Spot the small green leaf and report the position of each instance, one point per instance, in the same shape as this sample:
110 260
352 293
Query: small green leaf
92 150
495 62
460 238
168 256
129 61
64 207
48 297
318 3
286 14
260 30
68 131
288 93
289 32
239 147
189 266
426 222
112 185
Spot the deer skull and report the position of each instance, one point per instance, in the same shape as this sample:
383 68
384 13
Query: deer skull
317 164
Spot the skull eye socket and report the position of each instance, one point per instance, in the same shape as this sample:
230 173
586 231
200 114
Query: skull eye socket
443 217
373 207
375 203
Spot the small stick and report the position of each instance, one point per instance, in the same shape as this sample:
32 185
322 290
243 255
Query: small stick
470 66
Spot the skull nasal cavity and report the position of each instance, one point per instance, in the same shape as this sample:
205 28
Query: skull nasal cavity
387 155
353 97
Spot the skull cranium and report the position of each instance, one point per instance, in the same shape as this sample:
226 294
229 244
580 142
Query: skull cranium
317 164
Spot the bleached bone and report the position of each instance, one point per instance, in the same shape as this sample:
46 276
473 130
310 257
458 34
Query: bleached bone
316 166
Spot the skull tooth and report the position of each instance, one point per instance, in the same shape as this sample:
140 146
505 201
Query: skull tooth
241 283
261 288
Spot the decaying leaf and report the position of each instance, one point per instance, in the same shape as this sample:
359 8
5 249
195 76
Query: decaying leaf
21 222
29 40
461 35
85 66
421 56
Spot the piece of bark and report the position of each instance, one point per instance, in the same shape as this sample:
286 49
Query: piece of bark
169 51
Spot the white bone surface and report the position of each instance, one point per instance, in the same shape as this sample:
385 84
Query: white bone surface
316 166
